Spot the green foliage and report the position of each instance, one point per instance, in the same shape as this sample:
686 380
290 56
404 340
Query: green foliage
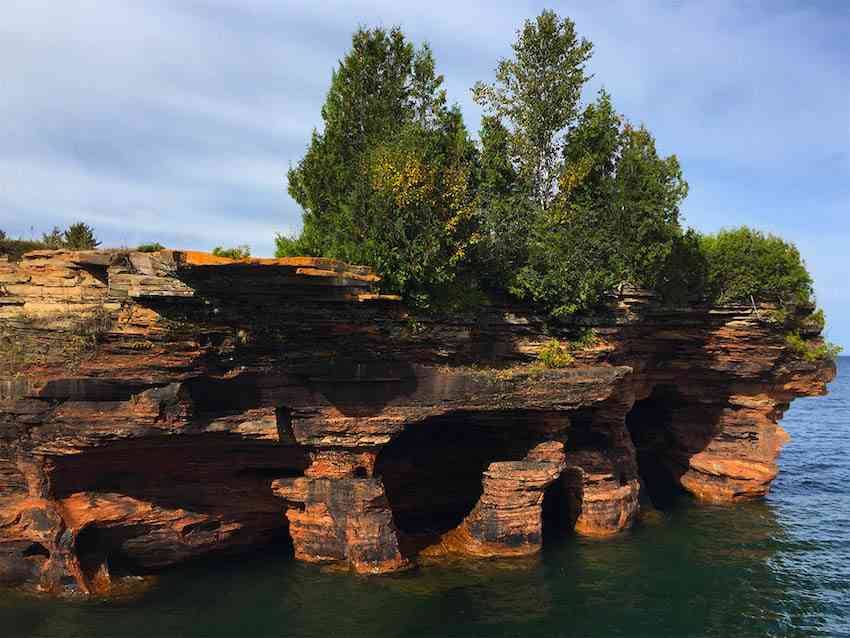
810 350
817 320
14 249
239 252
681 279
389 181
587 338
616 218
79 236
537 94
554 355
289 246
150 248
54 240
505 208
559 204
745 263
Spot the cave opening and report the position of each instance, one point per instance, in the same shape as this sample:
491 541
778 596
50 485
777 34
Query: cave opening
101 549
222 478
649 423
557 512
432 472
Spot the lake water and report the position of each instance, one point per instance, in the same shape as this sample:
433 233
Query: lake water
775 568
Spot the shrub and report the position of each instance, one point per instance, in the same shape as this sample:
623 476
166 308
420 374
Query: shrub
289 246
14 249
554 355
811 350
79 236
150 248
817 320
745 263
239 252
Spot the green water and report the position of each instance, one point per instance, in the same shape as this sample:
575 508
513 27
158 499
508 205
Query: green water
779 567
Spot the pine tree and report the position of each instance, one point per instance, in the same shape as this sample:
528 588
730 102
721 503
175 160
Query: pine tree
389 181
79 236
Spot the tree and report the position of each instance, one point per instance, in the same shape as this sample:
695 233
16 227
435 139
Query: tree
390 180
79 236
53 240
615 217
648 191
536 95
744 263
505 207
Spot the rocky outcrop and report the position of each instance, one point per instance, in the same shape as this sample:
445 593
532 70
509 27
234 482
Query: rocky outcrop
155 407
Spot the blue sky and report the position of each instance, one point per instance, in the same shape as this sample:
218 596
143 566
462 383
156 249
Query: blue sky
176 121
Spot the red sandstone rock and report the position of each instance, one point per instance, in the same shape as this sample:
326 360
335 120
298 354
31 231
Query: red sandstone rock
158 406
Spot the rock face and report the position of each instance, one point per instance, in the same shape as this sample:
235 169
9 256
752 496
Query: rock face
156 407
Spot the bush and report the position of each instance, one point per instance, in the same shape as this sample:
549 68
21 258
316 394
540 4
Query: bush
79 236
811 350
150 248
554 355
239 252
289 246
14 249
744 263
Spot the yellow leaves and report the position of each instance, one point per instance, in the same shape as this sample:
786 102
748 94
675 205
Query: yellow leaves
403 176
574 174
442 192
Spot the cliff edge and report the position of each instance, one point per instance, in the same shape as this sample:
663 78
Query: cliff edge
156 407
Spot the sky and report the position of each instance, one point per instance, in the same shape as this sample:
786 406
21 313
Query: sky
176 121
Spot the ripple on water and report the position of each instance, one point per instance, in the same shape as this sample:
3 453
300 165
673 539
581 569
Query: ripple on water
776 568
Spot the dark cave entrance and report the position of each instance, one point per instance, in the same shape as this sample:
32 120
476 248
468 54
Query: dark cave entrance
220 477
559 513
99 548
433 471
649 423
563 499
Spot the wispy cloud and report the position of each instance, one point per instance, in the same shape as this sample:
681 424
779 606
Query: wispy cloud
176 122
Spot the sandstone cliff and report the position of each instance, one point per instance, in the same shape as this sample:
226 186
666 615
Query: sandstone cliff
157 407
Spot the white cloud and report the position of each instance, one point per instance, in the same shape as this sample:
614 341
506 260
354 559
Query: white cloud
179 121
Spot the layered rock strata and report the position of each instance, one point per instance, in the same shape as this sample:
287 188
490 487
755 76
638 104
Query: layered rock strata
155 407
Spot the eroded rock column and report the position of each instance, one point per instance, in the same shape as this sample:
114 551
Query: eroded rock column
338 513
507 520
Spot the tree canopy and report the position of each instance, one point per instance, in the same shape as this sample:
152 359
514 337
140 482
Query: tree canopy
557 203
390 180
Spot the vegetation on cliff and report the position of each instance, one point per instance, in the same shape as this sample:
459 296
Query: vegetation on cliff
238 252
557 203
78 236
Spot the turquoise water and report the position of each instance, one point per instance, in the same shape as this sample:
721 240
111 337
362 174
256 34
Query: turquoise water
776 568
